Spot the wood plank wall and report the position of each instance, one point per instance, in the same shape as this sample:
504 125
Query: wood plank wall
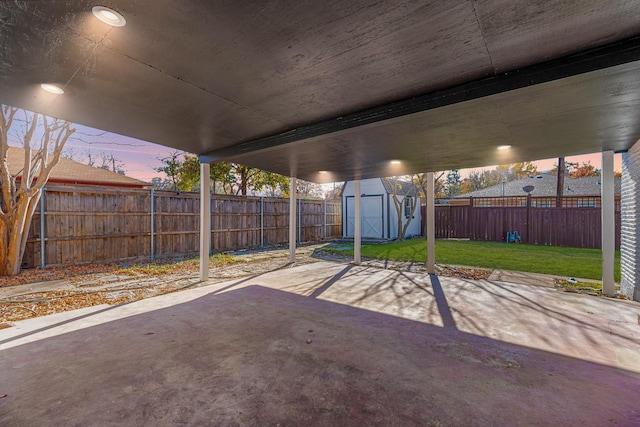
85 224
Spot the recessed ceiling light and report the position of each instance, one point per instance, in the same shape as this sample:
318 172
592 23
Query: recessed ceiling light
395 162
109 16
504 147
323 172
52 88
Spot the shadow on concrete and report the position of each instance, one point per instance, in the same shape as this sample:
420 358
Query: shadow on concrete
64 322
441 301
258 356
319 291
511 297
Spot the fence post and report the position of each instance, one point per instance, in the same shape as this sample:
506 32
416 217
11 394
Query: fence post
153 224
471 228
262 221
43 255
529 239
324 221
211 213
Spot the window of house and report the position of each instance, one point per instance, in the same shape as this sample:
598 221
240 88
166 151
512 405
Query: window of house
545 203
586 203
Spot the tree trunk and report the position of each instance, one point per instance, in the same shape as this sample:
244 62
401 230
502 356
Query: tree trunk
560 183
413 211
15 236
401 229
243 181
4 245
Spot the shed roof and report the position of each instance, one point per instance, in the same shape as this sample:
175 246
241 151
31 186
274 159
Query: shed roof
404 188
71 172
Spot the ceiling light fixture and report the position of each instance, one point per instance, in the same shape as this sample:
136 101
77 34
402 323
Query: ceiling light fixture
504 147
109 16
52 88
395 162
323 172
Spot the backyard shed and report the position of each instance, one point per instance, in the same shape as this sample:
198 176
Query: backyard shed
379 215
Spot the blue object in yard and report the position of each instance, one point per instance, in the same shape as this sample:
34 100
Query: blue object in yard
513 236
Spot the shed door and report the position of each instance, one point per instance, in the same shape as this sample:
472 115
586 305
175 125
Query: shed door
371 208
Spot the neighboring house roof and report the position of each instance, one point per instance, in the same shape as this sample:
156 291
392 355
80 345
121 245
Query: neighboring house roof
71 172
544 186
404 188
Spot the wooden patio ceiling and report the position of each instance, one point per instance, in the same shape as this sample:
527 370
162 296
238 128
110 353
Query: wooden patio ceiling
301 86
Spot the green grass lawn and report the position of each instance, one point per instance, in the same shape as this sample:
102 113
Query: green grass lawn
562 261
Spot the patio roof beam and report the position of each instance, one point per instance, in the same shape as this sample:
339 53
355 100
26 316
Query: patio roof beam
595 59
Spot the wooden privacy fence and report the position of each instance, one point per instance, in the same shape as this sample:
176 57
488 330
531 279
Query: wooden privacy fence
82 224
577 223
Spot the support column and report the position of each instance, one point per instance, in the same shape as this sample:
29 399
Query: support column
153 224
630 223
205 220
607 209
357 233
292 218
431 225
43 230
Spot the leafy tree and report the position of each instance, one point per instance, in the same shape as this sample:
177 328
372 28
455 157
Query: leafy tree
256 179
584 170
453 183
568 167
21 192
479 179
420 180
171 167
228 178
519 170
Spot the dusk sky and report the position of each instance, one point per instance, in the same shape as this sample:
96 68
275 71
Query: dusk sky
140 157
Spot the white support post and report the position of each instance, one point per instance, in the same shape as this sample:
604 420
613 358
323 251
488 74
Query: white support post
607 208
431 226
299 221
153 224
357 233
292 219
205 220
262 222
43 230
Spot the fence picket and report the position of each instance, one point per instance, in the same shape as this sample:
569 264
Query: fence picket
87 224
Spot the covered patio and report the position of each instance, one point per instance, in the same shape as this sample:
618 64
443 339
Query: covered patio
346 90
329 91
330 344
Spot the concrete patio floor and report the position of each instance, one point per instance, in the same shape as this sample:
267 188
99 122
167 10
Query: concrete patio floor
330 344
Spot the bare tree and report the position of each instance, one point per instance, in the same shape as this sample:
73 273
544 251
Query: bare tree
21 192
408 189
